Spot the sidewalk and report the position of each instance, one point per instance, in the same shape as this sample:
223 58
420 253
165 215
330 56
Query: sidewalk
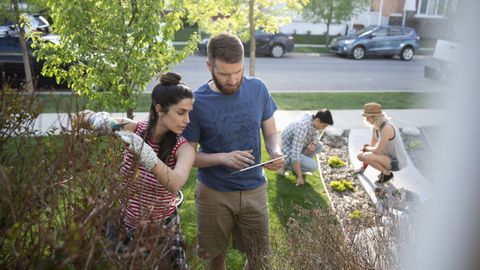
351 119
344 119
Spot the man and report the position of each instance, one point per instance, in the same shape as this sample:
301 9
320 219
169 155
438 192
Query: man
300 142
227 116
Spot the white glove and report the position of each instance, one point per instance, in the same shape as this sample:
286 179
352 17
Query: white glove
102 123
148 157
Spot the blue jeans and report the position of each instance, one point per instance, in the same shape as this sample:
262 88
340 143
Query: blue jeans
308 163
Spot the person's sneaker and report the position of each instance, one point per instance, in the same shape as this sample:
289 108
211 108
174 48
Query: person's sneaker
384 178
399 199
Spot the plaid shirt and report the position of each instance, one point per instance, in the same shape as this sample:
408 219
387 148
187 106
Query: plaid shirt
297 136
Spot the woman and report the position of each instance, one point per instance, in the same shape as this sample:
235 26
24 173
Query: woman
165 163
385 152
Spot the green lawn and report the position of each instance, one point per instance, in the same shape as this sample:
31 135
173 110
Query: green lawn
285 101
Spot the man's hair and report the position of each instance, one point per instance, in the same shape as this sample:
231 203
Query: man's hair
225 47
325 116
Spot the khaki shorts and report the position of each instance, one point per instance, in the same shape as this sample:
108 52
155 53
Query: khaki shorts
242 214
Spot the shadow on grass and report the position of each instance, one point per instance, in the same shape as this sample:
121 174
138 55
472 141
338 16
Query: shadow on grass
286 199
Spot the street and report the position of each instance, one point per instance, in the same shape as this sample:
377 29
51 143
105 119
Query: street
325 72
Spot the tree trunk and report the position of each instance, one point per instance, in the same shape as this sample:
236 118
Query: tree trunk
25 55
130 113
251 19
327 35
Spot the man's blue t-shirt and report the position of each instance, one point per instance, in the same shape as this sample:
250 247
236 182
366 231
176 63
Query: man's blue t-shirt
225 123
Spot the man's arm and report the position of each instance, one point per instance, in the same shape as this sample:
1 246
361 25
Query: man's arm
235 159
272 143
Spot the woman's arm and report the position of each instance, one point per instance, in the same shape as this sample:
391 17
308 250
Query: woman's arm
373 141
174 179
387 133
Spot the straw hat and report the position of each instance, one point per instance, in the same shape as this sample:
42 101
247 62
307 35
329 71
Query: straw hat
372 109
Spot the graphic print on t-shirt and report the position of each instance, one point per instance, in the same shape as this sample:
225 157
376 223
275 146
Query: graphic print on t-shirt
236 126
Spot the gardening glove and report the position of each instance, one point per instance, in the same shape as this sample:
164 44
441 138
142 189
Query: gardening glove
100 122
148 158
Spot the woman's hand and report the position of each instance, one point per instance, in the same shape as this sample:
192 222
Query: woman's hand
147 156
100 122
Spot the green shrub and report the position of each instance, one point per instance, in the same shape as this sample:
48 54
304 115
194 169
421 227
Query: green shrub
355 214
341 185
335 162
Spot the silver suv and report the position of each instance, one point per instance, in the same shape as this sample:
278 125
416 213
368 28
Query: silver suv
386 41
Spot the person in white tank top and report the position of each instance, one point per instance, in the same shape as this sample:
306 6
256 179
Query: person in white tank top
385 152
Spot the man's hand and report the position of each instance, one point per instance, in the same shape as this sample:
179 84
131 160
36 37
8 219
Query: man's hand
239 159
148 157
277 164
300 181
311 149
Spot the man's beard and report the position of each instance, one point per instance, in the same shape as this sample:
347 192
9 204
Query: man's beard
226 89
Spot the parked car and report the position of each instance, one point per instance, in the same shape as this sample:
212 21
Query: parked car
378 40
275 45
11 61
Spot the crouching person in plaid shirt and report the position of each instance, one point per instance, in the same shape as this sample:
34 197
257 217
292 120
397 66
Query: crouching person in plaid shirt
300 141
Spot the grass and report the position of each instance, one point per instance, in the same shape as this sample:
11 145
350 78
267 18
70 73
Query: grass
309 50
285 101
349 101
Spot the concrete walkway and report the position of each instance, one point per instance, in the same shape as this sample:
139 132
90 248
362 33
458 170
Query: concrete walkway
344 119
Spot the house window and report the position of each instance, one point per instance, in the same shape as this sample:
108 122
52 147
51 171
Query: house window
433 7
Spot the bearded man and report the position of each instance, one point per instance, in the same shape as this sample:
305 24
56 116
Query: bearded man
228 113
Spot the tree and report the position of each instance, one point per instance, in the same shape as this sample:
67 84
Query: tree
243 18
332 11
108 51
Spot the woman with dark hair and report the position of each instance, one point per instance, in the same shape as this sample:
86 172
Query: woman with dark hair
165 160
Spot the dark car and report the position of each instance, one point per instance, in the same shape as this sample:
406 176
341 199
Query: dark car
378 40
11 60
275 45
